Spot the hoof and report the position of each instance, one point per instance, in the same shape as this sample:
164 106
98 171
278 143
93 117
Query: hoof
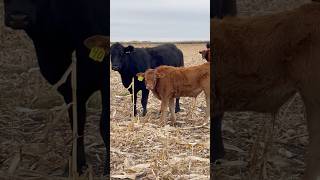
144 112
217 162
173 124
218 155
80 170
106 167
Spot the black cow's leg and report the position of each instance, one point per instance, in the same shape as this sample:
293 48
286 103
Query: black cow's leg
66 91
135 100
104 130
80 142
144 101
177 105
216 138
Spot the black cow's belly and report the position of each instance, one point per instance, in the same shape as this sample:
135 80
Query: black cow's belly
55 57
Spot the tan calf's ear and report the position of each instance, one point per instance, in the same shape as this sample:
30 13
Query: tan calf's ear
159 73
99 41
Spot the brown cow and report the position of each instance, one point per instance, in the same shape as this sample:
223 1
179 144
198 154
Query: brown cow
167 82
262 62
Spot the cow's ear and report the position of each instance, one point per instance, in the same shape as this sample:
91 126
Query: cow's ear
128 49
140 74
99 41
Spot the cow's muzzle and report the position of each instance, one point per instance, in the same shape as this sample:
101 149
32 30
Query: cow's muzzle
115 68
18 21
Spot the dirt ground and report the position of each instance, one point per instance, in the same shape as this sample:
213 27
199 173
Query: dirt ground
140 147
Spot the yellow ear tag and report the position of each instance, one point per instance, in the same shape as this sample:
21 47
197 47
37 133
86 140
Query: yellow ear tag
140 78
97 54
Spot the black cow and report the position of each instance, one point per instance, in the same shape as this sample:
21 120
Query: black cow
129 61
57 29
218 9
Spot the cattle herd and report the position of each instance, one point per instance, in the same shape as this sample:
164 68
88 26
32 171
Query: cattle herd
257 64
132 62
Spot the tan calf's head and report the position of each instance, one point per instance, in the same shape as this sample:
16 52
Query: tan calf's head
150 78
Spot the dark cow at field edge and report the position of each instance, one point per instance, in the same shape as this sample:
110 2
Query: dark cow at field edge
206 53
57 29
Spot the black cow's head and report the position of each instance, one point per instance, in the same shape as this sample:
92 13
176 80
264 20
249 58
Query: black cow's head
119 56
20 14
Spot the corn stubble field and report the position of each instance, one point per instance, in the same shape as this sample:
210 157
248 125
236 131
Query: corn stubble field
35 135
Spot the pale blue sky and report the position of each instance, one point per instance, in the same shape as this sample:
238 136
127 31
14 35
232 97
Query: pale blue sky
160 20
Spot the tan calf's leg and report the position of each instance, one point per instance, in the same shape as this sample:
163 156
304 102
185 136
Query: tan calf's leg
193 106
172 111
206 87
163 117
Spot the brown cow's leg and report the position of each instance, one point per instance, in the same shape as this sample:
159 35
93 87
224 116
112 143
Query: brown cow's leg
310 94
208 108
164 106
172 111
207 94
313 152
216 140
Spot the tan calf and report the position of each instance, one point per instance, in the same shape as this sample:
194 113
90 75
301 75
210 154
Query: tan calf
167 83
